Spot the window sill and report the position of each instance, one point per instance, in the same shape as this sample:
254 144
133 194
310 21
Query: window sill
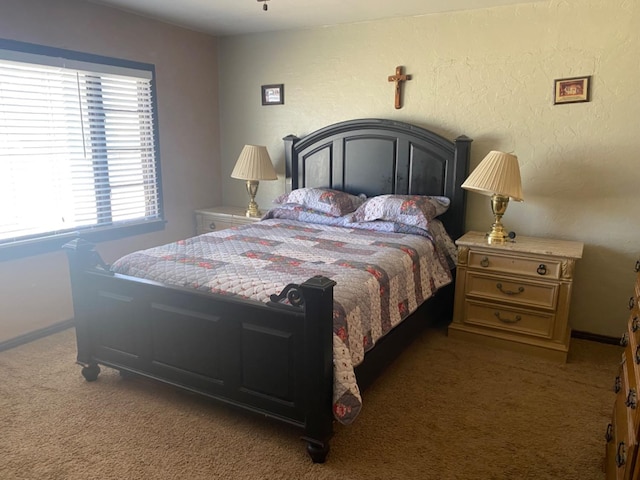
38 246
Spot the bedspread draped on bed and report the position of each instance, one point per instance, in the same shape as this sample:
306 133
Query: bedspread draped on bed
381 278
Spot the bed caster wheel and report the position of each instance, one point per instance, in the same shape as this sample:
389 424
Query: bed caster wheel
90 372
318 451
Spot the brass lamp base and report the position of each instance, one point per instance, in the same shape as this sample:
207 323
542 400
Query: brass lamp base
497 235
252 190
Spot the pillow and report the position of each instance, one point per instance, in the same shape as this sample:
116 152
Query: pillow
415 210
293 211
323 200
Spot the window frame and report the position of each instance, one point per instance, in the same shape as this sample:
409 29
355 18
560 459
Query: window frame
44 243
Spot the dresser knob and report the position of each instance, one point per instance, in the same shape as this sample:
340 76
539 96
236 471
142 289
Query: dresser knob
509 292
621 455
484 262
609 434
624 340
508 320
212 226
542 269
632 399
617 385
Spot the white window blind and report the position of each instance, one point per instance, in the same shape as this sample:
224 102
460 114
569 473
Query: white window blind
77 146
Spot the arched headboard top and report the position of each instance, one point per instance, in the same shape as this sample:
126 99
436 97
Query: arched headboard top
376 156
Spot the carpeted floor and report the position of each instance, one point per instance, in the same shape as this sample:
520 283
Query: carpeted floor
446 409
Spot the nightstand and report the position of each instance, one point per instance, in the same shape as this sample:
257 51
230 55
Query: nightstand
515 295
221 217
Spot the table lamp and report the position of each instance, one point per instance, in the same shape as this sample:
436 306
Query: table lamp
253 165
497 175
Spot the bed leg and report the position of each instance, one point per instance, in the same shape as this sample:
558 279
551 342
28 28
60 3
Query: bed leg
318 451
90 372
318 297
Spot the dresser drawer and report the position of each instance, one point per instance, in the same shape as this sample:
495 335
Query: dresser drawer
494 262
624 443
514 290
610 450
629 387
632 335
631 365
525 322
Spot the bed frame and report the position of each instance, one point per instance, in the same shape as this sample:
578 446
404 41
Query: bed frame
274 359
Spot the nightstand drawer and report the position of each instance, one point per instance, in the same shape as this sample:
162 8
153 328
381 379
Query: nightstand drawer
534 267
500 317
206 223
221 217
535 294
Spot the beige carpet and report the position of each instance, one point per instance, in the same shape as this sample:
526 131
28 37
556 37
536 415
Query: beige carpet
447 409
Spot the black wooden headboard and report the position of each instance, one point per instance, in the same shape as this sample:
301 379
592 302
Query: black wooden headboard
375 156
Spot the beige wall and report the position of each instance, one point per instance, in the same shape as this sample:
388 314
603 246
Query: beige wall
34 292
487 74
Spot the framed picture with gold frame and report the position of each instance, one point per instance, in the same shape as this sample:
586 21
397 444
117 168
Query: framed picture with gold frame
572 90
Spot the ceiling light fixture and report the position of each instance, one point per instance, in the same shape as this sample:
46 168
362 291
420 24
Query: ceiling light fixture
265 7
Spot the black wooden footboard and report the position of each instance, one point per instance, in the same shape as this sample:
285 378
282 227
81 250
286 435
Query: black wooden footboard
275 359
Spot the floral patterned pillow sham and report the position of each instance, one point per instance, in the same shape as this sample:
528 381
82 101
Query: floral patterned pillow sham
292 211
414 210
325 200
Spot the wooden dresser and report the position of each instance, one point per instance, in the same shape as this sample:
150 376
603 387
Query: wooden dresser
221 217
623 431
515 295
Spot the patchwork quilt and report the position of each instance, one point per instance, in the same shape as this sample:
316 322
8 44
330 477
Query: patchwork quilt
381 278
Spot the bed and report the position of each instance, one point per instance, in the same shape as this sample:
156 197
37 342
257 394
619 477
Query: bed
274 357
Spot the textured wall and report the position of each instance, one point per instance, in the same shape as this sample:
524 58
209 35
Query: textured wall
35 291
487 74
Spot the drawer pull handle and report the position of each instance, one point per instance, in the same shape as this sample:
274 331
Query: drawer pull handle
635 324
624 340
637 267
631 303
632 399
609 435
484 262
617 385
508 320
621 455
212 226
509 292
542 269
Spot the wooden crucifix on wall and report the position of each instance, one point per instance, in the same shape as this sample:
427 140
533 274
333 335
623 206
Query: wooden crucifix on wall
399 78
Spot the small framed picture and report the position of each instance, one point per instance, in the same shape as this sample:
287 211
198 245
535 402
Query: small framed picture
572 90
273 94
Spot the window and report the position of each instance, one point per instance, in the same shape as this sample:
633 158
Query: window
78 148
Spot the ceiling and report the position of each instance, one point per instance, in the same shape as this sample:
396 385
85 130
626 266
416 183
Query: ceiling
232 17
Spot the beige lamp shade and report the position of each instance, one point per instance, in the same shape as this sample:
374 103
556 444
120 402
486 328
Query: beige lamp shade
254 163
498 173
